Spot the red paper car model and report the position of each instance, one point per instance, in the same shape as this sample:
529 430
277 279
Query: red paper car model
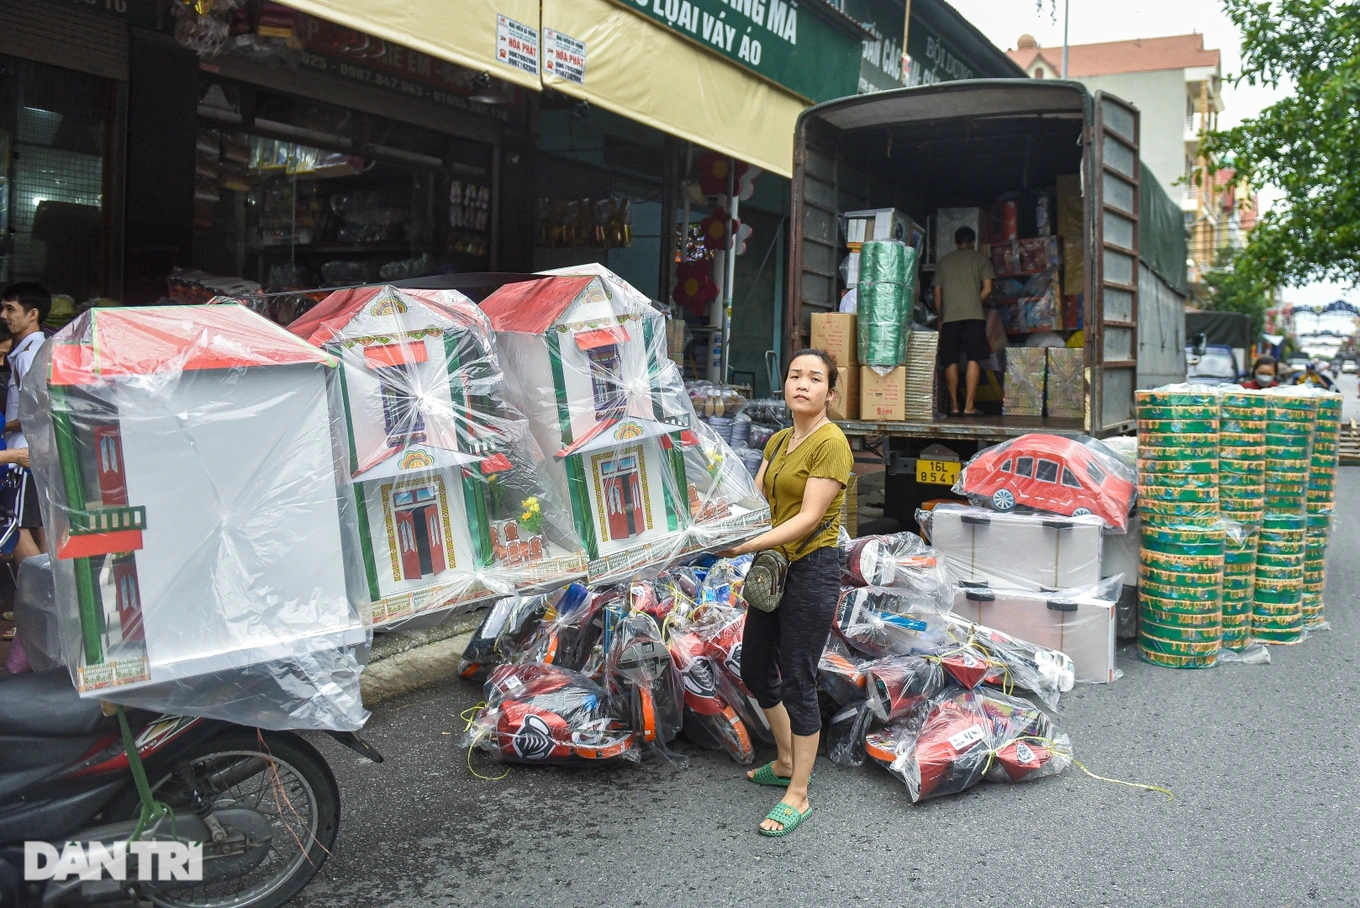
1048 473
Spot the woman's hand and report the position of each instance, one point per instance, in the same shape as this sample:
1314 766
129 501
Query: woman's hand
736 551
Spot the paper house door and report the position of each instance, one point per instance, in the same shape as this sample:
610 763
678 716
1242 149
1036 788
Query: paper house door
420 539
622 496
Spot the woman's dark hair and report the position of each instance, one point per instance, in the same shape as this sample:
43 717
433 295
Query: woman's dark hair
1266 360
824 357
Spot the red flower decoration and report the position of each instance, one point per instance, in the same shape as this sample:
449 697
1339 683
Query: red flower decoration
713 171
694 286
714 229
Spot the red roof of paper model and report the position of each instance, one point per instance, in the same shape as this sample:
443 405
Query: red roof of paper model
327 318
531 307
146 340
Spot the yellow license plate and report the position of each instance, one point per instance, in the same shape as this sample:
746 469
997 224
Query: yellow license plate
937 472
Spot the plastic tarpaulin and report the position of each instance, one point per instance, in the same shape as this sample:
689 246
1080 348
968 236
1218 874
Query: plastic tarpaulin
1161 241
1232 329
203 534
640 71
468 35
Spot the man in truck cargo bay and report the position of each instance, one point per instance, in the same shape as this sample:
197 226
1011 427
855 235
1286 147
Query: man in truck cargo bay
963 281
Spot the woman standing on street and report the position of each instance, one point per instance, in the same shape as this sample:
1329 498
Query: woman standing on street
803 476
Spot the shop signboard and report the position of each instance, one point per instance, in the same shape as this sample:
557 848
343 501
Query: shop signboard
932 59
809 48
880 65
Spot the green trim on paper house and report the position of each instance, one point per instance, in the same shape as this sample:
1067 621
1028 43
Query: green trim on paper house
560 386
349 424
366 542
653 371
68 452
580 504
673 508
474 502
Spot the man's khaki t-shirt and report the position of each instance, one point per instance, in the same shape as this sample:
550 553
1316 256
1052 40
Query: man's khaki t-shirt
823 454
959 275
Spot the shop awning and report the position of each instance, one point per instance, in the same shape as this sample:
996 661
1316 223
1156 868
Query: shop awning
649 74
472 33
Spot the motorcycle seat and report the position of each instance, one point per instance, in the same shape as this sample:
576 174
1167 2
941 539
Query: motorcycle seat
46 704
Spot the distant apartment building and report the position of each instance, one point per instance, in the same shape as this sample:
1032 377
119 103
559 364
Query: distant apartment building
1176 82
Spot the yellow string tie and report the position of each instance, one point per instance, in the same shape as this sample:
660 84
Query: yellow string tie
1055 749
469 717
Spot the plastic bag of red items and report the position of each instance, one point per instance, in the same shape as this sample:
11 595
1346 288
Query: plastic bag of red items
966 736
902 561
640 670
841 673
845 734
510 624
538 713
901 685
570 634
882 622
1011 662
710 719
1067 476
721 630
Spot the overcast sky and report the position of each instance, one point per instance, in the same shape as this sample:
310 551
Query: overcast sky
1004 21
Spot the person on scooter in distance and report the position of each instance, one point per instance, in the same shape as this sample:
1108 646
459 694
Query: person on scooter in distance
1263 374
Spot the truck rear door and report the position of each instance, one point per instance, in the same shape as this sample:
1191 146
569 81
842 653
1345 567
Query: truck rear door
1114 319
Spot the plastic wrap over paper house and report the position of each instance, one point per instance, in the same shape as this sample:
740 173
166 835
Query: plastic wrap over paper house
197 510
646 480
455 501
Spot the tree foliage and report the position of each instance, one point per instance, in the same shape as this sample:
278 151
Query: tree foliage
1234 289
1306 144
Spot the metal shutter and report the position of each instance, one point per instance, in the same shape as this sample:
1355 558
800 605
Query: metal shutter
60 34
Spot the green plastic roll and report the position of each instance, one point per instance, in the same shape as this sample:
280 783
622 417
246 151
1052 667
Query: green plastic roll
887 261
884 319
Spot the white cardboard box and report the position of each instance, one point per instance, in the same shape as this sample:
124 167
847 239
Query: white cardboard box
1018 551
1083 627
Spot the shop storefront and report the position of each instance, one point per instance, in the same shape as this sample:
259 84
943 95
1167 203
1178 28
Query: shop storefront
285 150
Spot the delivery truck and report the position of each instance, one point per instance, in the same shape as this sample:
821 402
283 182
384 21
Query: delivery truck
1038 167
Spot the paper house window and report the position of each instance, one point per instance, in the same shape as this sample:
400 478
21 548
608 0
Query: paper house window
402 418
454 506
605 382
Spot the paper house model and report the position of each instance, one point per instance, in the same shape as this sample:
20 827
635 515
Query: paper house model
646 480
455 504
196 508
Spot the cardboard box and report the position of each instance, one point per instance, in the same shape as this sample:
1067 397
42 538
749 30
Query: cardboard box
1074 266
835 333
1018 551
1064 394
1025 371
1069 205
846 403
1081 626
883 398
948 220
876 224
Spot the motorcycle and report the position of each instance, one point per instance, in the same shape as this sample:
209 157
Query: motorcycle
264 805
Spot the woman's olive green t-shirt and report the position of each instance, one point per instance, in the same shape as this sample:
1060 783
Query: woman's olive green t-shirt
823 454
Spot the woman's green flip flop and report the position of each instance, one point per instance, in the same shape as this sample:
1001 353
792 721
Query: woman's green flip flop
787 815
765 776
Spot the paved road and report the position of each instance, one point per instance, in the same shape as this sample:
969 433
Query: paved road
1261 758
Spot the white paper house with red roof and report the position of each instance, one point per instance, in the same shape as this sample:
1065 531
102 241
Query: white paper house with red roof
455 504
586 362
196 508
